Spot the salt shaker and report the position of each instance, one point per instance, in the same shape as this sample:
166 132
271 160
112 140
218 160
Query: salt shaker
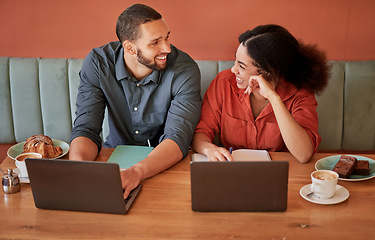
11 182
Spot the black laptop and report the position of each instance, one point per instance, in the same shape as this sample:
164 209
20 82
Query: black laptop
84 186
252 186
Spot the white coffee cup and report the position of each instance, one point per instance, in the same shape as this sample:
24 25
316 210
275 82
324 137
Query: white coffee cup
20 162
324 183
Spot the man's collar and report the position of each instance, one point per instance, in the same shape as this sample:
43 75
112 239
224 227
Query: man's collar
120 68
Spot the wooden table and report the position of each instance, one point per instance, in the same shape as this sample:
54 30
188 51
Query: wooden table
163 211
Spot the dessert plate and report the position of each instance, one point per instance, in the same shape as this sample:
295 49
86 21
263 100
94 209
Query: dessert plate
341 195
17 149
328 163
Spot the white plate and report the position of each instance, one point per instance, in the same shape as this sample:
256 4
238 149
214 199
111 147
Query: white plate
22 179
328 163
341 195
17 149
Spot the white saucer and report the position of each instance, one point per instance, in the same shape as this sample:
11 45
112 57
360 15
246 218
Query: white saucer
341 195
22 179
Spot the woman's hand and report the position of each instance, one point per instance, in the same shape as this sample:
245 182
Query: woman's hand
259 84
203 145
220 154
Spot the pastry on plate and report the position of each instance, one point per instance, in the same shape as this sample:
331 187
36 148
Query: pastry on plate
42 144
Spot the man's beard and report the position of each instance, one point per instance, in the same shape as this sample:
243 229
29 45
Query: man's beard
148 62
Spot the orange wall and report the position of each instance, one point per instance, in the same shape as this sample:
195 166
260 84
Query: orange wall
206 29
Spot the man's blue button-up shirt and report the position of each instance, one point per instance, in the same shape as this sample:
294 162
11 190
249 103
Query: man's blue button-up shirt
164 105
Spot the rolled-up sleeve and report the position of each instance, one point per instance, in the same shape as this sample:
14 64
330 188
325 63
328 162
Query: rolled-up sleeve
184 112
90 104
304 112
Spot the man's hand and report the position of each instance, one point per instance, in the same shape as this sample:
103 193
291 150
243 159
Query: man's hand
130 179
163 156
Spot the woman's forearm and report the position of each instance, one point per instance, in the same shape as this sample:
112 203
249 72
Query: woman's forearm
295 137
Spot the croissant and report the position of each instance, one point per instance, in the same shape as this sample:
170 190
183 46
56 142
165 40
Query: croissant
42 144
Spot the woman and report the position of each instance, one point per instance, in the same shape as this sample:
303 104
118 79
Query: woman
267 99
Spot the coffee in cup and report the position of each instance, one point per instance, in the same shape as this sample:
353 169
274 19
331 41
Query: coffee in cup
20 162
324 183
324 175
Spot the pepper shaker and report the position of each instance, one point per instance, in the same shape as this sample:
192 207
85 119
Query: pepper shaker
11 182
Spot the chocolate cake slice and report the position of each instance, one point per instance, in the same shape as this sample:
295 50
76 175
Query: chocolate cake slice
345 166
362 168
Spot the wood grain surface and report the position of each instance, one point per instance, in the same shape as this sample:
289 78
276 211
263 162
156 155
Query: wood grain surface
163 211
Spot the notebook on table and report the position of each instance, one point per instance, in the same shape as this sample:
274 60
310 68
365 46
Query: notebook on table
83 186
244 186
128 155
240 155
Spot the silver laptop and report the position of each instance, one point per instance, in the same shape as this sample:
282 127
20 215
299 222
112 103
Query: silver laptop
259 186
78 186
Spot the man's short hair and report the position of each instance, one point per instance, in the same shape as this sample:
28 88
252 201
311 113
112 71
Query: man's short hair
127 26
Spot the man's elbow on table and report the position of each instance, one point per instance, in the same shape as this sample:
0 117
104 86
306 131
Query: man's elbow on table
82 148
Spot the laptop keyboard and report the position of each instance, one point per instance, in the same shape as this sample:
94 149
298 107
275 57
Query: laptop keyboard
128 198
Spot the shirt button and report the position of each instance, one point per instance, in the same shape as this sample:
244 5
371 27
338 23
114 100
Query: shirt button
135 109
136 132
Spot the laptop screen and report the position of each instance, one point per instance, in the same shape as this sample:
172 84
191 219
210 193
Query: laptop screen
77 186
239 186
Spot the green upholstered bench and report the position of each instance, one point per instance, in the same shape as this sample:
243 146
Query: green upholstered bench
37 96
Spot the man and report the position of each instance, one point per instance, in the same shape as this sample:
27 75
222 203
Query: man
151 90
